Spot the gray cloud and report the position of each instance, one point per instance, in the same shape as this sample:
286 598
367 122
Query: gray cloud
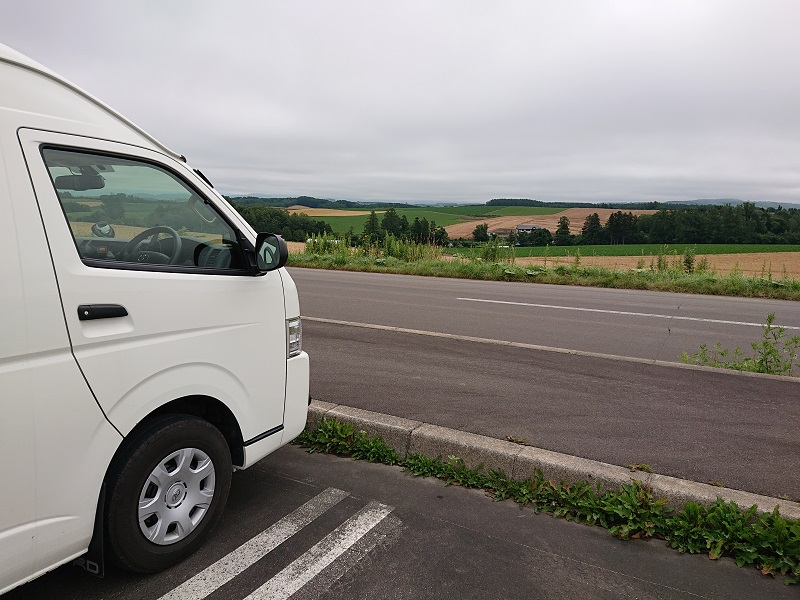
447 101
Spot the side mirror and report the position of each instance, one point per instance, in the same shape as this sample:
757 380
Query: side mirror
271 252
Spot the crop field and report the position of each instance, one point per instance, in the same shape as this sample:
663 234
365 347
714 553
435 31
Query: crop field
503 222
473 210
342 220
482 210
524 211
639 250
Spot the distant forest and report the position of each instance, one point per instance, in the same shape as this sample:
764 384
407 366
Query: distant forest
622 205
293 227
741 224
310 202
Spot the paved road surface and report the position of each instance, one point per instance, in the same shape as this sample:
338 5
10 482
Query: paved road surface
328 528
705 426
653 325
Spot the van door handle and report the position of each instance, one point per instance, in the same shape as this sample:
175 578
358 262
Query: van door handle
87 312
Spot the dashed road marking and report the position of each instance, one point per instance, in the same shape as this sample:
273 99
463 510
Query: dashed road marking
229 566
298 573
623 312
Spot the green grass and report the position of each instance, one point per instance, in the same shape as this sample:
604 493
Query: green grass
774 354
341 225
442 215
670 279
767 541
641 249
443 219
472 210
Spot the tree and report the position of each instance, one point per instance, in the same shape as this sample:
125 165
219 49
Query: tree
439 236
563 237
540 237
372 229
481 233
391 223
421 230
621 227
113 208
591 230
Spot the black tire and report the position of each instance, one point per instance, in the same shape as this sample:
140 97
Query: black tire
166 463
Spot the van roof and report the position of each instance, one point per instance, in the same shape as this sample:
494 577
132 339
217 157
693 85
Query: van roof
11 56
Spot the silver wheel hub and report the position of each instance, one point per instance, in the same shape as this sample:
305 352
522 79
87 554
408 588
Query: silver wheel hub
176 496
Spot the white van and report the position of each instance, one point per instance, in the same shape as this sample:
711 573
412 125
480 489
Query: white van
150 340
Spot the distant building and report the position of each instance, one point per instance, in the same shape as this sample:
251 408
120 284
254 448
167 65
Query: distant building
526 228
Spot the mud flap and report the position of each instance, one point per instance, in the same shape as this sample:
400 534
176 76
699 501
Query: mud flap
92 562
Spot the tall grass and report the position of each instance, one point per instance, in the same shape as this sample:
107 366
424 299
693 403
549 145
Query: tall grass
668 273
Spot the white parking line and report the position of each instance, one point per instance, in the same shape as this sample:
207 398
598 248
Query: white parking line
229 566
332 546
622 312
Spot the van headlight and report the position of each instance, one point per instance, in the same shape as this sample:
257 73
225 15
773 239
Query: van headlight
294 337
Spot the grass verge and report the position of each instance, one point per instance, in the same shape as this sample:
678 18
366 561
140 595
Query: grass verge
668 279
767 541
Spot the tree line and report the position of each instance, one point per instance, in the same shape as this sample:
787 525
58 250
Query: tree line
741 224
311 202
293 227
420 231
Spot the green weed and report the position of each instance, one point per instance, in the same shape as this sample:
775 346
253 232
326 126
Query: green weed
774 354
422 259
767 541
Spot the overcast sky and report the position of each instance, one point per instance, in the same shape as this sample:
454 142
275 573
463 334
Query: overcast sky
433 101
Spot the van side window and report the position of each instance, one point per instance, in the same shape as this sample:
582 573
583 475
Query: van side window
126 213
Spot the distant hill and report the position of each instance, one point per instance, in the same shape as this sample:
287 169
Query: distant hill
729 201
311 202
671 204
613 205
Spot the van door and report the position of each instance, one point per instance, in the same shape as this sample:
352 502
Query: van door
17 439
54 442
157 299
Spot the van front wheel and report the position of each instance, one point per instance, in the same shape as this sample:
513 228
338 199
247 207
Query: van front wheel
166 492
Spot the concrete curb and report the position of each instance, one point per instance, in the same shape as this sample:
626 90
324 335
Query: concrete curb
407 436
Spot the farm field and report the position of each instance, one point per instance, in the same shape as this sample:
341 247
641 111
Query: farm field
639 250
771 265
506 221
461 220
342 220
775 262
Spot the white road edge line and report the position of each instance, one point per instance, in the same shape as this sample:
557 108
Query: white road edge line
229 566
622 312
617 357
298 573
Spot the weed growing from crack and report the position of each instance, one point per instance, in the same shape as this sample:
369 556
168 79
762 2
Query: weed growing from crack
767 541
774 354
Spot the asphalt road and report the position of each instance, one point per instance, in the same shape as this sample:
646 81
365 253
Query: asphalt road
651 325
703 425
321 527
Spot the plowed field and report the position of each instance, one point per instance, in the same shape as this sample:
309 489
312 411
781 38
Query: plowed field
576 218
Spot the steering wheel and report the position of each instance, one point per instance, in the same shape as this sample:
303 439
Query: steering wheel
136 249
